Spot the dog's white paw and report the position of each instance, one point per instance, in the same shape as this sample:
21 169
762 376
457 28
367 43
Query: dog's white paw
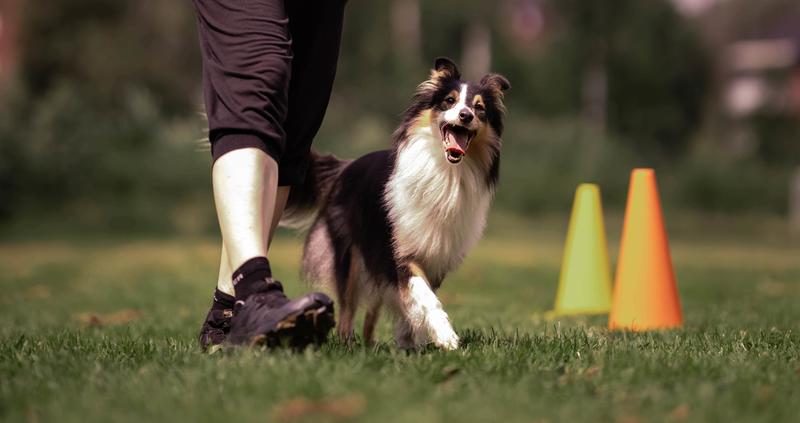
447 341
442 333
425 317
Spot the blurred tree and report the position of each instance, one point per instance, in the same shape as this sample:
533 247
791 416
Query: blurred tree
109 48
406 33
658 77
98 84
641 59
108 88
769 128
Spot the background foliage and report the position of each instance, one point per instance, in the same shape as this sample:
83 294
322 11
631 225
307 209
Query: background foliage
100 128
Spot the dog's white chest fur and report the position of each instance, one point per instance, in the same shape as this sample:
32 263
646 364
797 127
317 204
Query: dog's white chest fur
437 209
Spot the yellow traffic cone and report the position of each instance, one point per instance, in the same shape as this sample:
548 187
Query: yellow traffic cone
645 295
585 283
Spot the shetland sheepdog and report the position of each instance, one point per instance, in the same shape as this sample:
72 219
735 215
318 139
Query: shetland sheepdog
386 228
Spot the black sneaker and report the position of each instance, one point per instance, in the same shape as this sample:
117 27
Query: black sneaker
215 329
218 321
271 319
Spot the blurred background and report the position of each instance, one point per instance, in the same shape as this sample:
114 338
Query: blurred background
109 241
101 126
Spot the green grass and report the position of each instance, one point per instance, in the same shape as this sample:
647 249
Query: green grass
737 359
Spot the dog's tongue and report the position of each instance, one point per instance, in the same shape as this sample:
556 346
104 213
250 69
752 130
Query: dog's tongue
455 142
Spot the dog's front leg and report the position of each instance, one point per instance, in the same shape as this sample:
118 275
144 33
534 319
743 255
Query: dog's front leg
423 312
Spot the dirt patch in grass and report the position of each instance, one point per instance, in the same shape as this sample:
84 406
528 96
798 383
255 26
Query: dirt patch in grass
341 408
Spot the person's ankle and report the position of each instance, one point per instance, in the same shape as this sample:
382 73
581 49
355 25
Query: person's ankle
222 301
252 277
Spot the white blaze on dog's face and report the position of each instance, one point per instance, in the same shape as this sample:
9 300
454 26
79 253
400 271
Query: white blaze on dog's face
457 123
461 112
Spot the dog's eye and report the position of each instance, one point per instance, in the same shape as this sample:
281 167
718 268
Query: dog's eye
450 100
479 107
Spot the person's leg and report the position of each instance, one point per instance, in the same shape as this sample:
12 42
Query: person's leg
316 29
246 66
217 324
245 184
280 203
224 283
247 60
315 44
315 47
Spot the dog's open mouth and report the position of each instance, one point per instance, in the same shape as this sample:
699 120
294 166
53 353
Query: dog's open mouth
456 141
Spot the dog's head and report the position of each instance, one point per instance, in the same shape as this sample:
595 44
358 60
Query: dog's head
460 112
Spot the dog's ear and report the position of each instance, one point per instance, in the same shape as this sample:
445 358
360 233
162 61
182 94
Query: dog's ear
495 82
444 68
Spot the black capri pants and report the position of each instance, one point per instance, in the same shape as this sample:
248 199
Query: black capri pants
268 69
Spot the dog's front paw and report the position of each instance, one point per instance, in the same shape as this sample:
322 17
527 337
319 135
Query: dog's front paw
441 332
446 339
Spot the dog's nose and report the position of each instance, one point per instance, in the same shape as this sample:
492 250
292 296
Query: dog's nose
465 115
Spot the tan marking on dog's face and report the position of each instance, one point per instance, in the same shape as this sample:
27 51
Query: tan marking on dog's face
450 100
477 101
479 107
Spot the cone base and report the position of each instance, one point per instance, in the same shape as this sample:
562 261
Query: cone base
644 328
552 314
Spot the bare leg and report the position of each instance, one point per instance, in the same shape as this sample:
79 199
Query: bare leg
225 270
280 203
245 187
224 283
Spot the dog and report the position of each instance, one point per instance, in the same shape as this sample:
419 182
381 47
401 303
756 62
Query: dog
386 228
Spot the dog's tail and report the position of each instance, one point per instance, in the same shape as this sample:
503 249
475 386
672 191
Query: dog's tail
306 197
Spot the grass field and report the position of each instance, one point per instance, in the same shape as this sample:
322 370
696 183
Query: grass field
103 329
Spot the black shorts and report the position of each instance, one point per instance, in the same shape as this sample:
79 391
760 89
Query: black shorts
268 69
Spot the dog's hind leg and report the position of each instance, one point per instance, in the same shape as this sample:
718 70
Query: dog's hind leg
422 311
348 297
370 320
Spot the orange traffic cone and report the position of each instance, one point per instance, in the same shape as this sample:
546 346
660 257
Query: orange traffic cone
645 295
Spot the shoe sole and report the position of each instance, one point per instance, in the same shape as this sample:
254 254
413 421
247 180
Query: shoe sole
300 329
